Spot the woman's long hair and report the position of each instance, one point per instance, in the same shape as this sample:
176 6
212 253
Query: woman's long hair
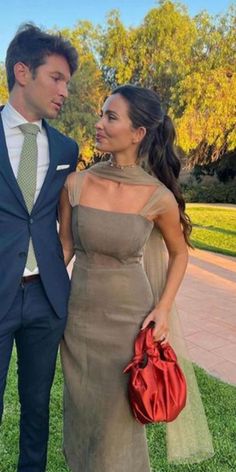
158 142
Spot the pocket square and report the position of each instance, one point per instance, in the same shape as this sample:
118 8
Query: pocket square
63 166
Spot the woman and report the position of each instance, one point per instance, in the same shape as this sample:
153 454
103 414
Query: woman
116 206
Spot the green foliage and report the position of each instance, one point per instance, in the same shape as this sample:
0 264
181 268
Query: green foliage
3 85
87 90
156 54
85 37
117 53
204 101
209 115
165 41
214 192
190 62
224 168
80 112
216 42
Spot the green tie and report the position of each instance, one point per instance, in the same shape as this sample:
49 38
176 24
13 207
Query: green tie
27 177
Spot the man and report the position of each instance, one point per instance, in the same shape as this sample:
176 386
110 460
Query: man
34 162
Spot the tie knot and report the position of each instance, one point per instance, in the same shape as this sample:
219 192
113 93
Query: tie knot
29 128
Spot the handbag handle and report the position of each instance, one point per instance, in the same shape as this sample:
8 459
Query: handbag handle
154 348
144 346
145 341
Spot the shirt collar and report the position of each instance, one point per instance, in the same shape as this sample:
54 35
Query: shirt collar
13 118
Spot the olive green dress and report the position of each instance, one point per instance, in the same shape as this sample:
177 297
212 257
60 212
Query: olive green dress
110 297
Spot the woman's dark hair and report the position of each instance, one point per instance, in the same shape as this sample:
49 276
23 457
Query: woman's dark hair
32 46
158 143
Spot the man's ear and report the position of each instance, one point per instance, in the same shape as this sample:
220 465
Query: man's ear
22 73
139 134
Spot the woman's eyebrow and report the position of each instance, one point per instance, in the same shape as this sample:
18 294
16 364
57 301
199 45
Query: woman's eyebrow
110 111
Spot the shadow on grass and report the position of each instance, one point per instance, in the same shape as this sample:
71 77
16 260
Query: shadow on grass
208 247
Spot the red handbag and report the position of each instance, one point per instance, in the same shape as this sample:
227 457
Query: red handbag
157 387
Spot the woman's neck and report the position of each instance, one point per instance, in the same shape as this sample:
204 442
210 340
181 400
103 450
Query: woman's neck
122 161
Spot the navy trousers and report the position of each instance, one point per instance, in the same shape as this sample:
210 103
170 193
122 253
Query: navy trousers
37 331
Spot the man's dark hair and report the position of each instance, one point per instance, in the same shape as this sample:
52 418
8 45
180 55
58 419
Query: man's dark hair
32 46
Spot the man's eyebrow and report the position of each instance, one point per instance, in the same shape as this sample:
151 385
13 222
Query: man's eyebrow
60 74
57 72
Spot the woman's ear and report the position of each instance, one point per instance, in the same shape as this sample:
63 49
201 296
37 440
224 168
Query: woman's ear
22 73
139 134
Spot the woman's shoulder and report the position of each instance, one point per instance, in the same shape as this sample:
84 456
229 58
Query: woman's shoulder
73 185
74 178
162 191
161 201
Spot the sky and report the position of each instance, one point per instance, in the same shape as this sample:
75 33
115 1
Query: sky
66 13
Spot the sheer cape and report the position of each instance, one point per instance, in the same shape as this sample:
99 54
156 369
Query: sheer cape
188 437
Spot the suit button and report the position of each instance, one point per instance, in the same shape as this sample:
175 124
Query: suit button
31 221
22 254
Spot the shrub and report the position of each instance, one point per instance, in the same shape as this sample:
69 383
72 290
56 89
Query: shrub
214 192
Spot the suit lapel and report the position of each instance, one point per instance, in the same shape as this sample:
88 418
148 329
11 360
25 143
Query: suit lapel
6 168
52 146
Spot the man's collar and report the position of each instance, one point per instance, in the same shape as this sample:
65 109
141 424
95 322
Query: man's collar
13 118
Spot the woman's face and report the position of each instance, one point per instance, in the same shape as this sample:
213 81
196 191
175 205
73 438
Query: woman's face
114 130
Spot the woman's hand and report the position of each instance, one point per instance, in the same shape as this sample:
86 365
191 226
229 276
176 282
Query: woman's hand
160 317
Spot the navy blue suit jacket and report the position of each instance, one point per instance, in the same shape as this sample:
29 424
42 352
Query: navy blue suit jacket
17 225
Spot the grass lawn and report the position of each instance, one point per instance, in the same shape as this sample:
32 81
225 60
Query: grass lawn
219 401
214 228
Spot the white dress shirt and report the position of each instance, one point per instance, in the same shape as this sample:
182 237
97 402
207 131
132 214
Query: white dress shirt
14 139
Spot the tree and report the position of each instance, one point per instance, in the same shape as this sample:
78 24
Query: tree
165 40
205 100
157 54
215 46
87 90
206 128
3 85
116 51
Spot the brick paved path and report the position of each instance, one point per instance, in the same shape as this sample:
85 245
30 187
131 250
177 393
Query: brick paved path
207 307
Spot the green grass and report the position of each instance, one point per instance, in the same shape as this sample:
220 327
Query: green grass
214 229
220 405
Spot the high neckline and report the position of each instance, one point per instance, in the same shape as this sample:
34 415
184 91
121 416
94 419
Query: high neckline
131 175
112 163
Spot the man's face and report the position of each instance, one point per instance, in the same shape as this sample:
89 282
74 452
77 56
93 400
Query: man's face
46 90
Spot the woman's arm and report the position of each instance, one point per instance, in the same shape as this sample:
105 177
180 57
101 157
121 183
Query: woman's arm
65 226
169 225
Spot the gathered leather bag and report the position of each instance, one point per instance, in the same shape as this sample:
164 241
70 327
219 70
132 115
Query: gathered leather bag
157 387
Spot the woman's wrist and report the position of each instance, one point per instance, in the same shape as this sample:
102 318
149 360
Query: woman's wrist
164 306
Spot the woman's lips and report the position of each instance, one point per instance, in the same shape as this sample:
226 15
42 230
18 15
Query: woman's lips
99 137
